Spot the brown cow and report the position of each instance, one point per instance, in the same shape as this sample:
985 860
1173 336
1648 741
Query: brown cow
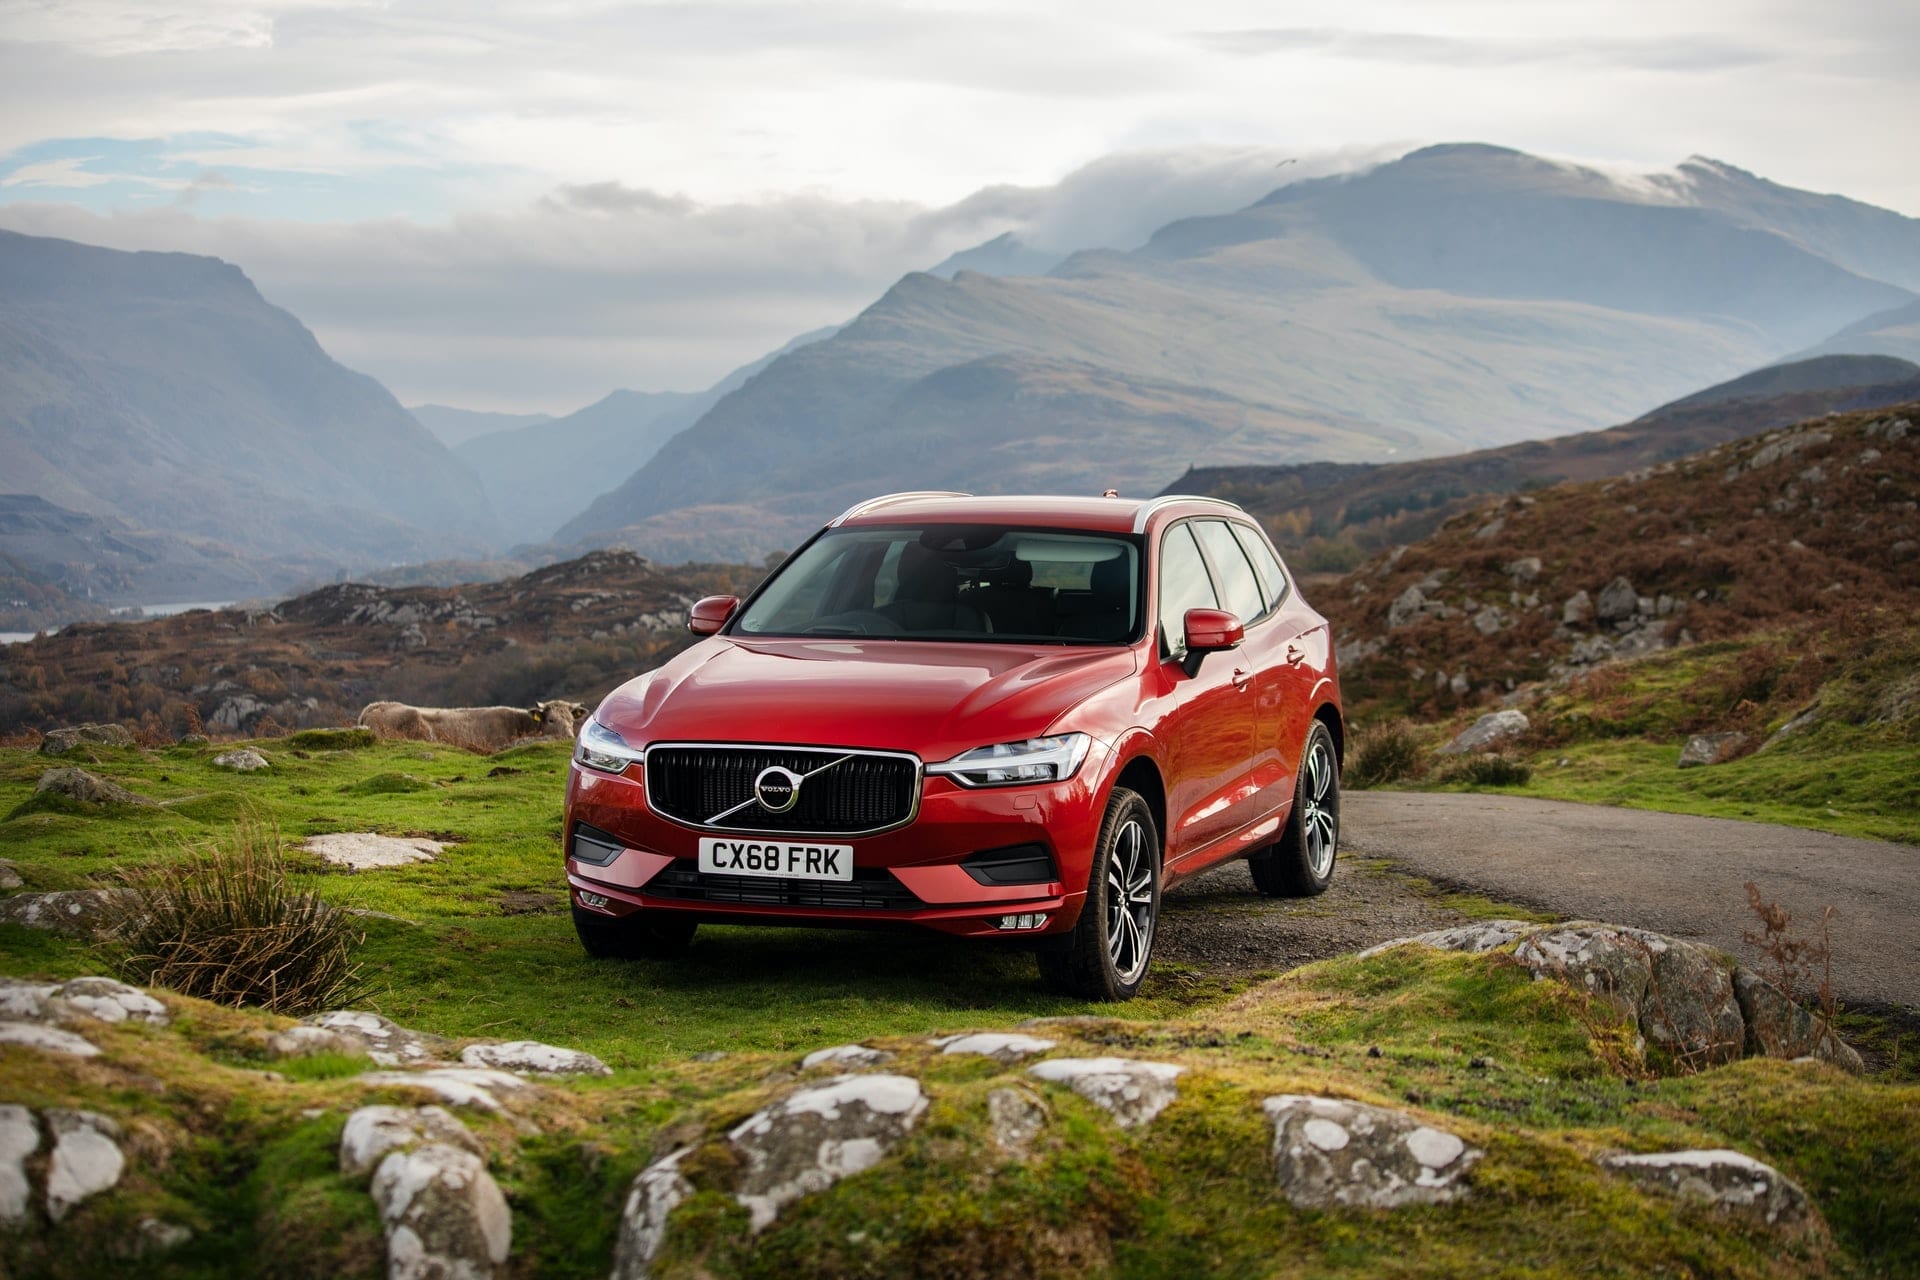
480 728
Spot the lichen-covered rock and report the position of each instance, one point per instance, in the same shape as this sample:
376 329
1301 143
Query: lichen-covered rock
1679 994
85 788
52 1039
58 742
19 1139
1001 1046
86 1159
1616 602
1710 748
1134 1091
444 1215
655 1194
10 874
1481 935
1777 1027
77 913
845 1055
1015 1118
366 851
456 1086
107 1000
1727 1180
245 760
1488 731
372 1133
1330 1152
303 1041
814 1137
530 1057
387 1042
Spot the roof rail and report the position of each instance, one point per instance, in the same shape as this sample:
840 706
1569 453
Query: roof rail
861 508
1146 511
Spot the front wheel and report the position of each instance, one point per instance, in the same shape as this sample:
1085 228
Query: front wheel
644 935
1301 864
1106 955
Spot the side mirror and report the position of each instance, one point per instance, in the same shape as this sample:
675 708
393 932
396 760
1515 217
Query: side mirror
1208 630
709 615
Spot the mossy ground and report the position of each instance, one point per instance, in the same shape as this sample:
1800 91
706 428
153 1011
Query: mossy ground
242 1150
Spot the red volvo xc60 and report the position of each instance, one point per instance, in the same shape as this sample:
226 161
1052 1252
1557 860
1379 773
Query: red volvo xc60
1014 718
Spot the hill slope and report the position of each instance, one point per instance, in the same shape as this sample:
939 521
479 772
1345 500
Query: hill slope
1460 297
163 389
454 427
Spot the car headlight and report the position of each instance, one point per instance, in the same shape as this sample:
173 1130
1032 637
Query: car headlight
599 747
1009 764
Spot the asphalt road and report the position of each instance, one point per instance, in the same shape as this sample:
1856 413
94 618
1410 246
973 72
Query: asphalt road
1677 874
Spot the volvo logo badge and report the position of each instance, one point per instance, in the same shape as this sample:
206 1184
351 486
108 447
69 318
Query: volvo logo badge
777 789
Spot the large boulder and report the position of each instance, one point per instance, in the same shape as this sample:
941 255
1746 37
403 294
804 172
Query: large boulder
19 1139
372 1133
244 760
444 1216
1726 1181
1134 1091
1777 1027
1488 731
58 742
85 788
100 999
1710 748
1330 1153
1617 601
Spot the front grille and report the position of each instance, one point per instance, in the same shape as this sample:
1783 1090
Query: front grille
862 793
870 889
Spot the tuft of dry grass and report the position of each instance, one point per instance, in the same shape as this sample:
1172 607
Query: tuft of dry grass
237 924
1383 754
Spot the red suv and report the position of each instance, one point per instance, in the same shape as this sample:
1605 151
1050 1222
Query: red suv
1013 718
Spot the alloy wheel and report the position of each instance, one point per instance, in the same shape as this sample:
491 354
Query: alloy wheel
1130 902
1318 822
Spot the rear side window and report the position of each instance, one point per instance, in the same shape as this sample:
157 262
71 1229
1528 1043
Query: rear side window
1273 579
1184 585
1238 585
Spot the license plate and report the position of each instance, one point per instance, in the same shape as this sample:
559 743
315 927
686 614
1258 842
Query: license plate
793 861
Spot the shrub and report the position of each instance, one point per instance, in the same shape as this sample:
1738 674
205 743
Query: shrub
1382 754
237 925
1496 770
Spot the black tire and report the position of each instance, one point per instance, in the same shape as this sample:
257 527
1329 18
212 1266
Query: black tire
1107 957
644 935
1300 864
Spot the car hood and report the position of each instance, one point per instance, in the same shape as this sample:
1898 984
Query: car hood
932 699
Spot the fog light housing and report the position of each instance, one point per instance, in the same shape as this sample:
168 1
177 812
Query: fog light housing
592 899
1026 920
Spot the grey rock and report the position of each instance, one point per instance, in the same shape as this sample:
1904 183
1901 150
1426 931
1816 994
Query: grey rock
476 1087
1406 608
373 1133
85 788
365 851
10 874
245 760
1679 994
303 1041
816 1136
107 1000
1482 935
234 712
19 1139
33 1035
1525 569
1133 1091
1577 611
1777 1027
1488 731
655 1194
195 740
386 1042
1329 1153
1785 447
1802 720
1005 1047
86 1160
530 1057
1490 620
77 913
1710 748
60 741
1728 1181
1616 602
444 1215
845 1055
1490 530
153 1236
1016 1118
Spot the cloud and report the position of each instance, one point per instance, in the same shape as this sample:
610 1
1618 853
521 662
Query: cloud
1682 53
67 173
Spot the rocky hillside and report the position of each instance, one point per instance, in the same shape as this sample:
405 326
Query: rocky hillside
573 629
1330 515
1816 523
163 389
1460 297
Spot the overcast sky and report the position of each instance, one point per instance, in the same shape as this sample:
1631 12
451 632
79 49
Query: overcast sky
526 203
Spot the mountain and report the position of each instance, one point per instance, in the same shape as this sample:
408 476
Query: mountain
1894 332
1458 298
161 388
454 427
1004 255
1330 514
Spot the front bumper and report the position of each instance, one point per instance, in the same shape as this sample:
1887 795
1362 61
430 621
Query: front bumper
913 872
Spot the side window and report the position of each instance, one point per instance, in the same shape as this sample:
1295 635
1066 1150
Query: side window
1184 585
1238 585
1273 579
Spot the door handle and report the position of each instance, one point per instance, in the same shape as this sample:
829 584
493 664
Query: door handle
1295 655
1241 677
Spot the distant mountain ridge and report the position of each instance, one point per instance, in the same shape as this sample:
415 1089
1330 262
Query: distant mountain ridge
454 427
163 389
1462 297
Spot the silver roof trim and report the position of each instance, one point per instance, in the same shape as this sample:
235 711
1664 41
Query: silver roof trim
861 508
1146 512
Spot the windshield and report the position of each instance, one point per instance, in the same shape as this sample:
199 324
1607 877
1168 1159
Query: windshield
955 582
